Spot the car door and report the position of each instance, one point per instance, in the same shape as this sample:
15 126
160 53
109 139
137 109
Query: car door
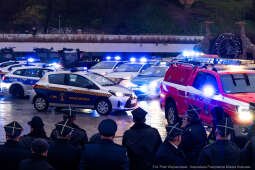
57 88
198 96
81 91
29 78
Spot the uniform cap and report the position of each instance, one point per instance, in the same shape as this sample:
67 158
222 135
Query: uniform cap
36 122
39 146
174 130
13 129
225 126
107 127
193 112
139 114
64 128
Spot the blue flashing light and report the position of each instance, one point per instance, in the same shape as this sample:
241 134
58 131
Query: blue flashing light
30 60
85 68
108 58
133 59
117 58
143 60
208 91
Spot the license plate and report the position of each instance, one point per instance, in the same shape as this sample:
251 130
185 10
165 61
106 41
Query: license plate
133 101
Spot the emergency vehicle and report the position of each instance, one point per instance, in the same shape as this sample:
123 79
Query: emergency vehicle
105 67
147 83
5 66
231 87
82 90
20 80
129 70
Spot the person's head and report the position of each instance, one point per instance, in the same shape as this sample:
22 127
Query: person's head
69 115
139 115
107 129
13 131
174 132
64 130
192 115
37 127
40 147
224 128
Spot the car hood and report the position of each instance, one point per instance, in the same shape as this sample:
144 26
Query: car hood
100 71
122 75
244 97
145 80
118 88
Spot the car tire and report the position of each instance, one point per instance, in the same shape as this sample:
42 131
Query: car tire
103 107
41 104
17 91
171 113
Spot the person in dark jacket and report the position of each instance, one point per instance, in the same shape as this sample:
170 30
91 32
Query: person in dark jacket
222 152
141 141
95 138
248 152
38 160
36 131
194 138
169 155
79 136
11 153
62 155
105 155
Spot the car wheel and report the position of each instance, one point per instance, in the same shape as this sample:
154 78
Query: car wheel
171 113
41 104
103 107
17 91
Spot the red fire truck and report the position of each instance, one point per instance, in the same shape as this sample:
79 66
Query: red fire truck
231 87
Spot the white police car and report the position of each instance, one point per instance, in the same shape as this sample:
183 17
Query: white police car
105 67
128 71
19 81
84 90
5 66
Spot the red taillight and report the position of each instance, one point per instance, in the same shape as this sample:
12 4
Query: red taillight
34 86
4 77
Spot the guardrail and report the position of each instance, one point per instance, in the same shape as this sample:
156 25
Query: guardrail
100 38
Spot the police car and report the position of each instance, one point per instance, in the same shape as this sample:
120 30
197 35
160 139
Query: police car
20 80
147 83
5 66
129 70
84 90
105 67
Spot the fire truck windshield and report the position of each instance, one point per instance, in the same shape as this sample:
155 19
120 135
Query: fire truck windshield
238 83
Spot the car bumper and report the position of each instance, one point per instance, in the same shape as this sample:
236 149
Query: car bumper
123 103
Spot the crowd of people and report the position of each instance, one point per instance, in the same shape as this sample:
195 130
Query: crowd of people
186 145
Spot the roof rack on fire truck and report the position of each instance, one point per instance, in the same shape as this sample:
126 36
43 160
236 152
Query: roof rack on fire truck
201 58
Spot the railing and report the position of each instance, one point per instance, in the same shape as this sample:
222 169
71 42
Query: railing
100 38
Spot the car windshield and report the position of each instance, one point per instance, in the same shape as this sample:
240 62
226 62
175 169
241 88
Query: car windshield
104 65
238 83
129 68
103 81
154 72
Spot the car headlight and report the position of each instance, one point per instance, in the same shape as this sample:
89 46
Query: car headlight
117 94
244 114
144 88
127 83
153 84
127 78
